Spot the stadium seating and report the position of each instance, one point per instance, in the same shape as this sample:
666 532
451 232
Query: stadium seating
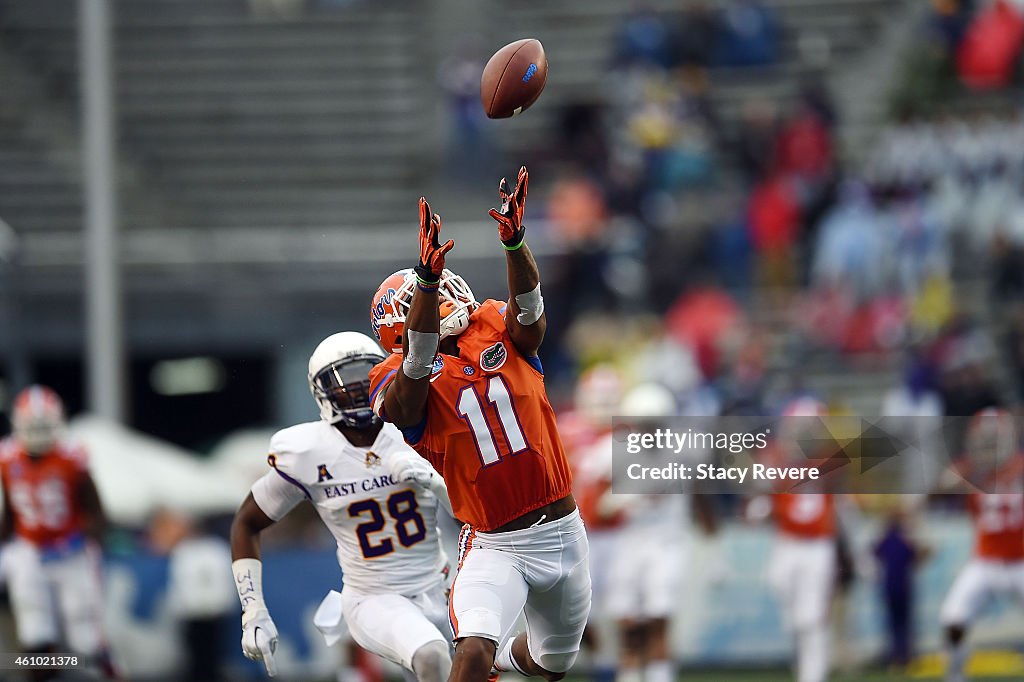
234 120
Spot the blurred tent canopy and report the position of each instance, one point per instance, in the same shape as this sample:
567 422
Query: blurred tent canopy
137 474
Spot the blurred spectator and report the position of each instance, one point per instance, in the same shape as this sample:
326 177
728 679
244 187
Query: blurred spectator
696 35
774 222
701 320
755 140
964 353
749 35
578 218
804 146
469 147
643 39
949 20
1015 348
582 137
743 385
898 555
200 590
989 50
851 249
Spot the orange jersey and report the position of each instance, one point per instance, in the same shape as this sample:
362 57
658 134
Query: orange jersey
998 525
805 516
489 428
42 492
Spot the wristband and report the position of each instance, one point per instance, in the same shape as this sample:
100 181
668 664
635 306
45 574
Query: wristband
426 277
248 573
520 236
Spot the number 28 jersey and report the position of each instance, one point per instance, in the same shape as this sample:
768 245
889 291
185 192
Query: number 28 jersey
386 530
489 429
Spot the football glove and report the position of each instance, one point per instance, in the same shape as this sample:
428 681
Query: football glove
432 252
510 216
259 638
412 469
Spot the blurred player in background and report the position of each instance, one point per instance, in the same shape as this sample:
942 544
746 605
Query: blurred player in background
803 567
994 464
54 521
649 565
466 387
380 501
586 432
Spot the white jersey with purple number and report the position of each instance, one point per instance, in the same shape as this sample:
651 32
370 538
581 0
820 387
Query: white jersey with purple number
386 531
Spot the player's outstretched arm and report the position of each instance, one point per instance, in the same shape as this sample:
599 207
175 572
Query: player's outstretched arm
524 316
259 634
405 401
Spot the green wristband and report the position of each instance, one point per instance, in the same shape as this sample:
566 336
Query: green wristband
516 247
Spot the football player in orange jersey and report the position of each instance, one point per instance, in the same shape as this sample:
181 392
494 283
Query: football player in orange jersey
803 566
53 519
466 387
995 464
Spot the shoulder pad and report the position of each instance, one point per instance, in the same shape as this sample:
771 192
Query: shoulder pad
289 446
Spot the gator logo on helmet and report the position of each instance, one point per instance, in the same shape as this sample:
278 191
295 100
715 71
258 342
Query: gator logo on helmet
382 309
494 357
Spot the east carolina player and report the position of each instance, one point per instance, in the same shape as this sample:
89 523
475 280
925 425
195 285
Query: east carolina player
53 512
379 500
997 567
466 387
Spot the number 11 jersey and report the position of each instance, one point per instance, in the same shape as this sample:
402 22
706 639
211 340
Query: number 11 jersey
489 428
386 530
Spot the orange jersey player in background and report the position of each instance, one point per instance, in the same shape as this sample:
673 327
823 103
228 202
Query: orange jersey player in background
994 463
466 387
53 519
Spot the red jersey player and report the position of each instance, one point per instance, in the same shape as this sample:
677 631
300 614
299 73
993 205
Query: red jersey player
466 387
53 512
997 567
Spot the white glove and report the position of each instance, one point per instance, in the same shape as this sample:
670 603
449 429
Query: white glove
416 470
259 638
413 469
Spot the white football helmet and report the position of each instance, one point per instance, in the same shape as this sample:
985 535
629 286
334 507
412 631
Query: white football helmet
339 378
38 419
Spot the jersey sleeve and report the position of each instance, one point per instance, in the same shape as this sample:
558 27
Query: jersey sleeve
280 489
380 377
275 496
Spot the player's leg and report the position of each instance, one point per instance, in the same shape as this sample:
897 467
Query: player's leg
556 609
813 591
664 564
31 601
485 602
78 580
967 597
393 627
625 604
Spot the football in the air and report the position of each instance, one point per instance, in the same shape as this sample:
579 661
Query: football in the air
513 78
